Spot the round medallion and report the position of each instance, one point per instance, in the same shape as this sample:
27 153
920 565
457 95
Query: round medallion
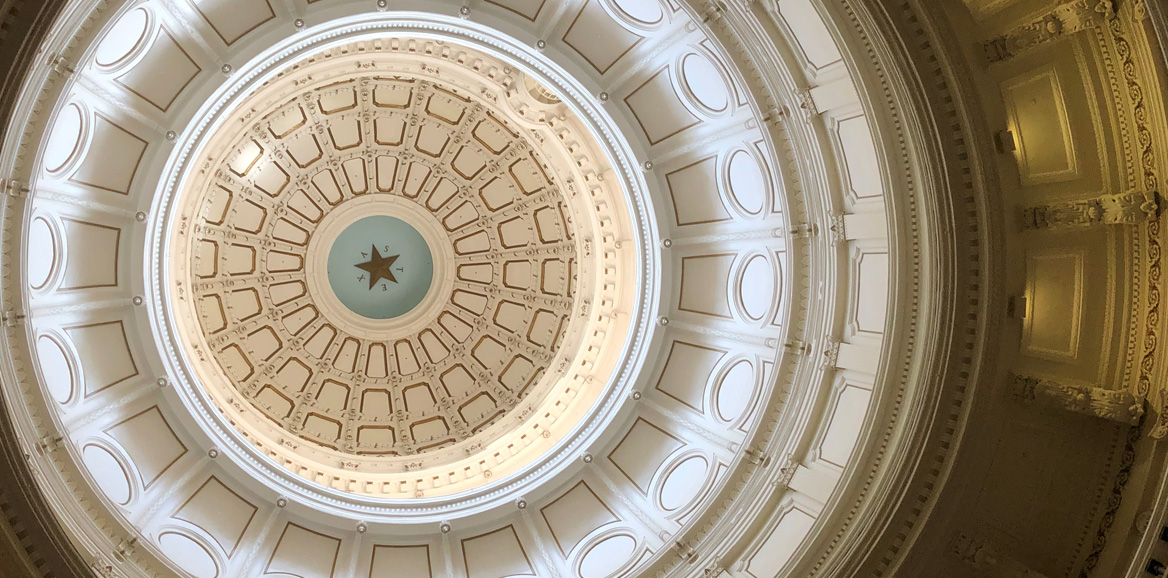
380 267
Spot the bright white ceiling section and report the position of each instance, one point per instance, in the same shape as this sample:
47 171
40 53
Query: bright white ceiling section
725 429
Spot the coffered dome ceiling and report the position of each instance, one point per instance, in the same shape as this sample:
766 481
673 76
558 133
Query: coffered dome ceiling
351 338
499 288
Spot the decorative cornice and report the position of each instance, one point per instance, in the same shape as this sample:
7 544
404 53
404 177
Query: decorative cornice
1150 181
1126 462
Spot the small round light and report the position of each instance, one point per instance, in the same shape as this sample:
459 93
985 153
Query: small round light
667 243
382 4
464 11
636 396
647 165
212 453
663 321
140 216
298 23
444 527
137 300
226 68
587 458
603 97
171 135
541 44
162 382
362 528
521 504
281 502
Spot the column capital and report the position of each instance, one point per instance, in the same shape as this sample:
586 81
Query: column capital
1121 209
1109 404
1064 19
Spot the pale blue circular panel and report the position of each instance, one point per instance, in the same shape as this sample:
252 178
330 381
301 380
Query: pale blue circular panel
380 267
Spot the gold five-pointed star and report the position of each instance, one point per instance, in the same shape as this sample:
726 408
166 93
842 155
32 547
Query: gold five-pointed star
379 267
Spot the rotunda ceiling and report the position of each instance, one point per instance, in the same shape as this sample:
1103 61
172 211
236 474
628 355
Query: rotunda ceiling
381 269
523 288
380 261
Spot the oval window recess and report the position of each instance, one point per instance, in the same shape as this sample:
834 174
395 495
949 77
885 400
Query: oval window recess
42 253
65 142
607 556
56 370
757 287
748 187
705 83
188 554
123 39
735 391
108 473
645 12
683 483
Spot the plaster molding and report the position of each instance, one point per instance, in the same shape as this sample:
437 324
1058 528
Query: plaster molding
1130 208
1064 19
1112 405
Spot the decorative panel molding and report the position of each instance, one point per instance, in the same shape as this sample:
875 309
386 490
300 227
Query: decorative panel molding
575 515
162 74
112 157
780 543
861 165
234 19
659 109
401 560
220 512
92 253
810 32
497 554
642 451
105 355
304 553
844 422
1054 316
150 441
705 282
598 38
1038 117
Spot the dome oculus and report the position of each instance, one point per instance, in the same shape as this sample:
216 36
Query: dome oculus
380 267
